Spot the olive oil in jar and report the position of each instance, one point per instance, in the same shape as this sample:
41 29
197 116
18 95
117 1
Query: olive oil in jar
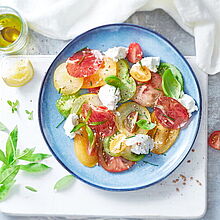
10 28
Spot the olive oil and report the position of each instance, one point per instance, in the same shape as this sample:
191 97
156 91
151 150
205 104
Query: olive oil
10 29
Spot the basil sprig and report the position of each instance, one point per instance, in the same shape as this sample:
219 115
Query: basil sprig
87 125
11 159
14 105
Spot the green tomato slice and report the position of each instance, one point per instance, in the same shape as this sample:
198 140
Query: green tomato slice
128 86
128 155
106 144
123 69
128 89
64 104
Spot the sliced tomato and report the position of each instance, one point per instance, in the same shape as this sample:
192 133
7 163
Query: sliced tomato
94 90
135 53
170 113
214 140
88 159
100 114
155 81
113 164
84 63
146 95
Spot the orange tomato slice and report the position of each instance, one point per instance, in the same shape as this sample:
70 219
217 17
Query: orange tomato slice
140 73
98 79
81 149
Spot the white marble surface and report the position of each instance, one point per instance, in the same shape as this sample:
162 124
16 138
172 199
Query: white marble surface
162 23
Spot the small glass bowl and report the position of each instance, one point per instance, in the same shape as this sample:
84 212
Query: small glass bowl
23 37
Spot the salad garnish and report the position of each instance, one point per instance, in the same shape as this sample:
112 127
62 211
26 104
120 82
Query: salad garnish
30 114
31 188
134 106
58 125
153 164
64 182
11 161
14 105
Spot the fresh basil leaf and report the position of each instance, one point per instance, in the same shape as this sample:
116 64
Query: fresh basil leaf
64 182
142 123
31 188
88 115
170 85
3 168
34 167
5 189
97 123
113 81
26 152
177 74
35 157
2 157
3 127
9 174
11 145
90 135
9 102
77 127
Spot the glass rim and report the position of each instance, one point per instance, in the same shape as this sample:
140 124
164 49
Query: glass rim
23 22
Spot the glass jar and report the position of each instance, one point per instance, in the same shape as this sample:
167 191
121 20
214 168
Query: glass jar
22 38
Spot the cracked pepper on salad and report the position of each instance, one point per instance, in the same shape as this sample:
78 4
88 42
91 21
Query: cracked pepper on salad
133 106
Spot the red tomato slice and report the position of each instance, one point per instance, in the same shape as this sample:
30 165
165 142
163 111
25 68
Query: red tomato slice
214 140
94 90
113 164
170 113
84 63
155 81
146 95
100 114
135 53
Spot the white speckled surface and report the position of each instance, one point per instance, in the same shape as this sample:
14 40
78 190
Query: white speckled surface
162 23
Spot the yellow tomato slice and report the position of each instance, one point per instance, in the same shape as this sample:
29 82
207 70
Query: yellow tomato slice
80 147
64 83
140 73
163 138
91 99
98 78
117 144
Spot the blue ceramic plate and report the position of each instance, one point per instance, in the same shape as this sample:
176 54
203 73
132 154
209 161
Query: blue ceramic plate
142 174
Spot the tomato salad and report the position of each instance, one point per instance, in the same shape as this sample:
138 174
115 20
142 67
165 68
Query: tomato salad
133 105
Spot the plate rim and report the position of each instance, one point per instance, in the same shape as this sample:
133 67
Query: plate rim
41 93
